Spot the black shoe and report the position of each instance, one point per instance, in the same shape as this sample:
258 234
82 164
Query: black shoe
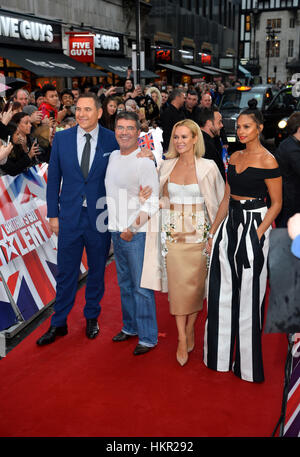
51 334
141 349
121 337
92 328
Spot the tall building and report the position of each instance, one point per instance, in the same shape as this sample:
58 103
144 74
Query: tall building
269 38
35 40
191 39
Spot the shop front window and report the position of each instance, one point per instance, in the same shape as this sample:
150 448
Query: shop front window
187 56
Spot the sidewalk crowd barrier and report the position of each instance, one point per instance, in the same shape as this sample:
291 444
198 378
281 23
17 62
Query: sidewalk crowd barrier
27 249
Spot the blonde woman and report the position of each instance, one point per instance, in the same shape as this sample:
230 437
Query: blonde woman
191 189
155 94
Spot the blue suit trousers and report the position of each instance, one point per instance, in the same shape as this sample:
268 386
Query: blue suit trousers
71 244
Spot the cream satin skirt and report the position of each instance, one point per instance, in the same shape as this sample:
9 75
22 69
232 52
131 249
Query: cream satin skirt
186 271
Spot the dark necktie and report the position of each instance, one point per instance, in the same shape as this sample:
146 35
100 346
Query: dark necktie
85 159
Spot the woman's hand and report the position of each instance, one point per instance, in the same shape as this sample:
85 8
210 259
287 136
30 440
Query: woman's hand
34 150
7 115
208 246
5 150
144 193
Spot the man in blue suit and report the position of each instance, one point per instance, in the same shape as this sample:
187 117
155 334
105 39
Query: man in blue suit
75 199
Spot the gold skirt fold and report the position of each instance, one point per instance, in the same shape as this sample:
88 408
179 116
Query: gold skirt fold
186 272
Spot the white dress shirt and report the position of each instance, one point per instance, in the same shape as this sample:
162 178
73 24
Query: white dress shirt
81 140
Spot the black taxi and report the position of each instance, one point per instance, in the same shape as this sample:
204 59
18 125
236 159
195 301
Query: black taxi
274 104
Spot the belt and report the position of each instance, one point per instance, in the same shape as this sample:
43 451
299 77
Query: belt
247 204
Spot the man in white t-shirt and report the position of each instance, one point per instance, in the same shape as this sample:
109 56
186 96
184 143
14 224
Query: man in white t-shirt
127 220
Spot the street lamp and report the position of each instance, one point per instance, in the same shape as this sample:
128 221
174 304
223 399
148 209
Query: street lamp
271 36
138 41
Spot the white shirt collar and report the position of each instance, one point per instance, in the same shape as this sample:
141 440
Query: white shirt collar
93 133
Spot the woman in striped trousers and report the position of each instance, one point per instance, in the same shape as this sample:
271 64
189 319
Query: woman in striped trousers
238 266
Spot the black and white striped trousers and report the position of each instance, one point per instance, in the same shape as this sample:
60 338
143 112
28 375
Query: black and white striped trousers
237 281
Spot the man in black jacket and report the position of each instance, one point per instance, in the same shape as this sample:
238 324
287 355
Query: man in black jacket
210 122
288 158
171 115
191 109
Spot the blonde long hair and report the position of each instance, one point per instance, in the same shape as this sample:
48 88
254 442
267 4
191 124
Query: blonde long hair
199 147
154 89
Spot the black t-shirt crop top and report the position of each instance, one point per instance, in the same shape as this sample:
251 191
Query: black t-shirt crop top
251 182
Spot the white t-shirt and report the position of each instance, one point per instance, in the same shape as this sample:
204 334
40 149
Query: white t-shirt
124 176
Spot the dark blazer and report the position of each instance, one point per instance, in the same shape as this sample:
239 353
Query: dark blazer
212 153
66 203
288 157
168 118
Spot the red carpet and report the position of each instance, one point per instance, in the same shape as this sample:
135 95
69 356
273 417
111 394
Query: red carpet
96 388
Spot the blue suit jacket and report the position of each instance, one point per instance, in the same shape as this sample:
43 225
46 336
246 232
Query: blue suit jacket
66 185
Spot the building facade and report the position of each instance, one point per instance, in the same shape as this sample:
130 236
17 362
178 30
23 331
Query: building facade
28 53
183 36
269 38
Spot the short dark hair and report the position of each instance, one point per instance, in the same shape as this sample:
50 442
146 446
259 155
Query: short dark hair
129 116
17 117
93 96
293 123
37 94
47 88
66 91
175 93
206 114
193 92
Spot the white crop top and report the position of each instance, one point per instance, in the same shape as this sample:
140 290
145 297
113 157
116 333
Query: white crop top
188 194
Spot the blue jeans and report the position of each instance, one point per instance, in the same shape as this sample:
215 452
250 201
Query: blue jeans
138 304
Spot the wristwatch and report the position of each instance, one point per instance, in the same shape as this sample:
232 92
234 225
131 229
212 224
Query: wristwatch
132 228
210 235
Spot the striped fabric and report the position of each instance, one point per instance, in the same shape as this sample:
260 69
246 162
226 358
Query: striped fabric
292 414
236 291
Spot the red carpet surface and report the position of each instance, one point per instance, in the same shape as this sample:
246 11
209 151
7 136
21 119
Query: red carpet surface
96 388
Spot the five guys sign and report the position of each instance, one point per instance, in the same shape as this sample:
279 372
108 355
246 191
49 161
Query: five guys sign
82 47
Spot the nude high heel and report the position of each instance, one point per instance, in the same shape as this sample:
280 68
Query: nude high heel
191 343
182 358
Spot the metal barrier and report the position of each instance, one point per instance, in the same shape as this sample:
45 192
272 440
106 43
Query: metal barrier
27 251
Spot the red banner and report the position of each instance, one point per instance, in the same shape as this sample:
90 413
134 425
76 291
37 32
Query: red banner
82 48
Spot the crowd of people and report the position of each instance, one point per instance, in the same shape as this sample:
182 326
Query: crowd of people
216 211
26 138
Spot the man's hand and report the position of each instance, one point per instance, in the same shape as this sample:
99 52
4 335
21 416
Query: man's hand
126 235
293 226
54 224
